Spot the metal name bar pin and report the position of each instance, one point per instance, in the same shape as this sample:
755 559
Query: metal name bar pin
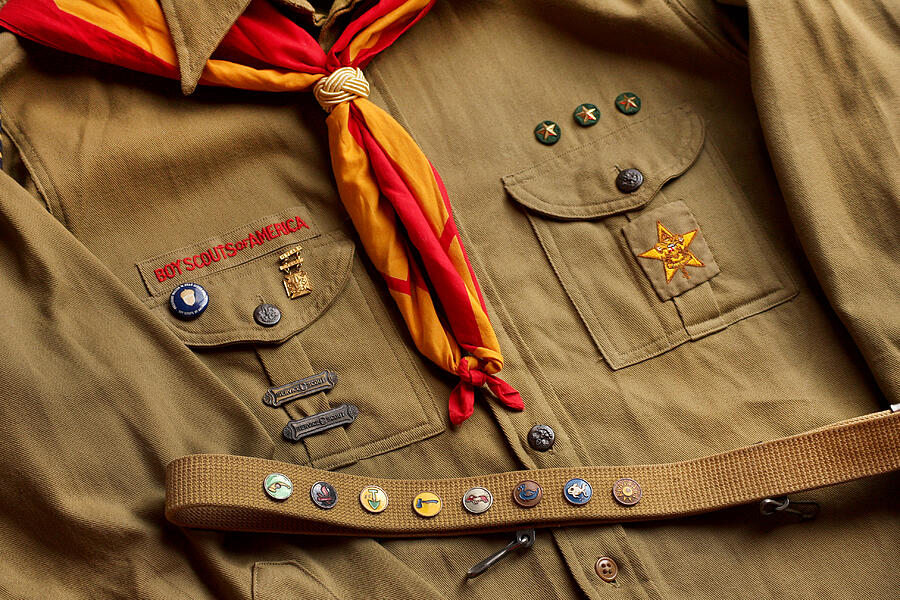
287 266
290 253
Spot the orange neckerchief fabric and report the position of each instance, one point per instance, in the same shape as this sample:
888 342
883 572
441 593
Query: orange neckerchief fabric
382 175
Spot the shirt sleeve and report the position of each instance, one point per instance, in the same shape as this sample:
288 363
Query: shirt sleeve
825 79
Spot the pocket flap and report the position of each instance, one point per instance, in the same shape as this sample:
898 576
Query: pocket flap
580 183
235 292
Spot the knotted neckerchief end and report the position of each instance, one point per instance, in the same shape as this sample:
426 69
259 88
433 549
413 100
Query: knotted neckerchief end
462 398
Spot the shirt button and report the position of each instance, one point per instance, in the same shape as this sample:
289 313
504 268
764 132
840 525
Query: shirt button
606 568
188 301
541 437
629 180
267 315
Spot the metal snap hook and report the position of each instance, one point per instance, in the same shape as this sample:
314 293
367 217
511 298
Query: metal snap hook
807 510
524 539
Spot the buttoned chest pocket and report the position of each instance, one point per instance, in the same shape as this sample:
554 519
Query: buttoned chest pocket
327 368
653 241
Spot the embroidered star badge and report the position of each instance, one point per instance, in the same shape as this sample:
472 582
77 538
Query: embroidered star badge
547 130
586 114
672 250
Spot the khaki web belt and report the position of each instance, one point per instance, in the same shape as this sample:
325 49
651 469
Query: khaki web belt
212 491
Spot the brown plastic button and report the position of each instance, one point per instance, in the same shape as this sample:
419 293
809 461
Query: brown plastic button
629 180
606 568
627 492
527 493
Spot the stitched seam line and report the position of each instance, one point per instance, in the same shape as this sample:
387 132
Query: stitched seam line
708 35
684 160
517 174
39 173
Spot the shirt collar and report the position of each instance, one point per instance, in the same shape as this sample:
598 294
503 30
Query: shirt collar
198 26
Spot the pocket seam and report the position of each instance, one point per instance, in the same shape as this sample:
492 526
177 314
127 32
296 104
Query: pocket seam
208 339
514 182
428 428
256 594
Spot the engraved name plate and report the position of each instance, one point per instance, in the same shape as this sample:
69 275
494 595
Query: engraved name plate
320 382
344 414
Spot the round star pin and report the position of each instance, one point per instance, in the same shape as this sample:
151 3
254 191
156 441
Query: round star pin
628 103
586 115
547 132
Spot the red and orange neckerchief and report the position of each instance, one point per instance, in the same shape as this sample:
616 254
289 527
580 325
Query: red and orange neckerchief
382 175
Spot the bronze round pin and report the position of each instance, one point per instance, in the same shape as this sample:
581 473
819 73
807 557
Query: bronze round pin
527 493
627 492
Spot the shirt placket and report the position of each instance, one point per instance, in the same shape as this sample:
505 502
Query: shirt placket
579 549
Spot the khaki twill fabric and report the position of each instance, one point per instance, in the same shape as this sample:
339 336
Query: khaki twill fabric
223 492
786 158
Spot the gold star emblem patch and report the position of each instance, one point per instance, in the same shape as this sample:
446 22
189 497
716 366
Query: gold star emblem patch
687 252
672 250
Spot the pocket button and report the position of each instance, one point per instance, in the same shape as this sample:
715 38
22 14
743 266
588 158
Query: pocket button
267 315
606 568
629 180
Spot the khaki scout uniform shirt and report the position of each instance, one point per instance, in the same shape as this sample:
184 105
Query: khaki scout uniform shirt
783 152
